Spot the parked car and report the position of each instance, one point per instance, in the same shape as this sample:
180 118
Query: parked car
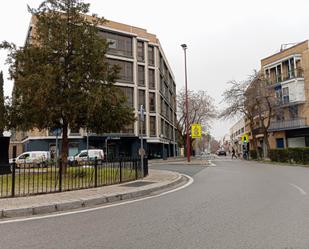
32 158
221 153
83 155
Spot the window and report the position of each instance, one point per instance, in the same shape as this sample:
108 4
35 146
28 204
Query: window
152 126
126 69
141 76
152 102
285 95
141 99
128 92
144 125
118 44
280 143
162 127
128 129
24 156
74 131
73 149
151 55
140 51
151 78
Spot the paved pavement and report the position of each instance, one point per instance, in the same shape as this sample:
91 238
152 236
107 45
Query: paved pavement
234 205
42 204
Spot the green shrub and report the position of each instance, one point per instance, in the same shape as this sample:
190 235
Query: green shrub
291 155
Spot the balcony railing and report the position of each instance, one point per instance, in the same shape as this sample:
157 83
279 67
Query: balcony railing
292 74
288 124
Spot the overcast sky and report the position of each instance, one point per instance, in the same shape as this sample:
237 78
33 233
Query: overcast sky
226 39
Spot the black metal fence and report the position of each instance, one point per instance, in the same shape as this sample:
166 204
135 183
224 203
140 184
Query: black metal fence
50 177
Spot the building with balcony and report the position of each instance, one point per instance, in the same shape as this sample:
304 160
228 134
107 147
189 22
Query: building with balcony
146 79
287 73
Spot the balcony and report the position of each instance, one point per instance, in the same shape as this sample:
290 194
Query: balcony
289 75
292 124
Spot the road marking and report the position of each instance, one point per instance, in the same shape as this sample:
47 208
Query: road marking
101 207
212 164
303 192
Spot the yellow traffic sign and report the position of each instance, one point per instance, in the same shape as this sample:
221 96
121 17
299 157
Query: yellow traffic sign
196 131
245 138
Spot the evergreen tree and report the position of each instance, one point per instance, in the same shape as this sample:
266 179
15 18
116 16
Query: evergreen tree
62 78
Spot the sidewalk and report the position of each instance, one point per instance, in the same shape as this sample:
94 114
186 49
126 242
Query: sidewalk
158 180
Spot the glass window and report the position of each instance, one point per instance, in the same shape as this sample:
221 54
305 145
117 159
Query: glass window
118 44
126 69
152 126
144 125
141 75
152 102
141 99
151 78
140 51
285 95
128 92
151 55
128 129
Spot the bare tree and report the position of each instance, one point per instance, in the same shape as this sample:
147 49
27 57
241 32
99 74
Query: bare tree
254 100
263 97
201 110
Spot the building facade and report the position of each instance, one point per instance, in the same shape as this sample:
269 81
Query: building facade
146 79
288 76
236 133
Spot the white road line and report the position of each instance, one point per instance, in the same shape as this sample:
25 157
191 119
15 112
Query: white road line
101 207
303 192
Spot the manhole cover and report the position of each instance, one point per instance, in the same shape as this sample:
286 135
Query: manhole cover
137 184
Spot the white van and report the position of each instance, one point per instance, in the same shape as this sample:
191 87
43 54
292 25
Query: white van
32 157
83 155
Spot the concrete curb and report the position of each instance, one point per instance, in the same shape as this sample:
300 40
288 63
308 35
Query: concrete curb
85 202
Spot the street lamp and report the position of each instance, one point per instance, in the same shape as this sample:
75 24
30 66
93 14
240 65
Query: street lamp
184 46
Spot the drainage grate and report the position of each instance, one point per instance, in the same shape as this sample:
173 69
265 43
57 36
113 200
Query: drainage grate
137 184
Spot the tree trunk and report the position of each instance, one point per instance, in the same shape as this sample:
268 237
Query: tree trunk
267 145
65 146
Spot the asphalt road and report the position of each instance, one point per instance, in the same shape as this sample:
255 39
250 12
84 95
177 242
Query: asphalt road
234 205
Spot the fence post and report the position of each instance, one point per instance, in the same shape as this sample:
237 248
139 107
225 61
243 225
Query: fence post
95 172
60 175
135 161
13 177
120 170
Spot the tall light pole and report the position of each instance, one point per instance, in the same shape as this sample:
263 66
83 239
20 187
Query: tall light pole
184 46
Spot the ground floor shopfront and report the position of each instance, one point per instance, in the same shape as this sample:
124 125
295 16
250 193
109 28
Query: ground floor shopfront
114 146
296 138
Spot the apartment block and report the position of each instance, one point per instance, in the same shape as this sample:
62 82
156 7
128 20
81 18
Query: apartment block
146 79
288 76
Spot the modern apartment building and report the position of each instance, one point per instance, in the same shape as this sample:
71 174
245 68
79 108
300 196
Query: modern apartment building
288 76
146 79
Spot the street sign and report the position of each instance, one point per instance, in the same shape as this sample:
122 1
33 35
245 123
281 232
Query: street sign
141 152
196 131
245 138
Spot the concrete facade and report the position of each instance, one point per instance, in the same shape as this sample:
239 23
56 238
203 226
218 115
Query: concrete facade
146 79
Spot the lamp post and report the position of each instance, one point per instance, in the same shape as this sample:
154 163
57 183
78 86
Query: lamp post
184 46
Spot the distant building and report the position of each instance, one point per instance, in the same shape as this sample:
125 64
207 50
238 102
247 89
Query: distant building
236 133
146 79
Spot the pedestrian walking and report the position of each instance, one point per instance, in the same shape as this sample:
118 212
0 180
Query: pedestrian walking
233 154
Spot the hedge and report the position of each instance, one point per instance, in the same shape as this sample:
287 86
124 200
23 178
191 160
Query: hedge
291 155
